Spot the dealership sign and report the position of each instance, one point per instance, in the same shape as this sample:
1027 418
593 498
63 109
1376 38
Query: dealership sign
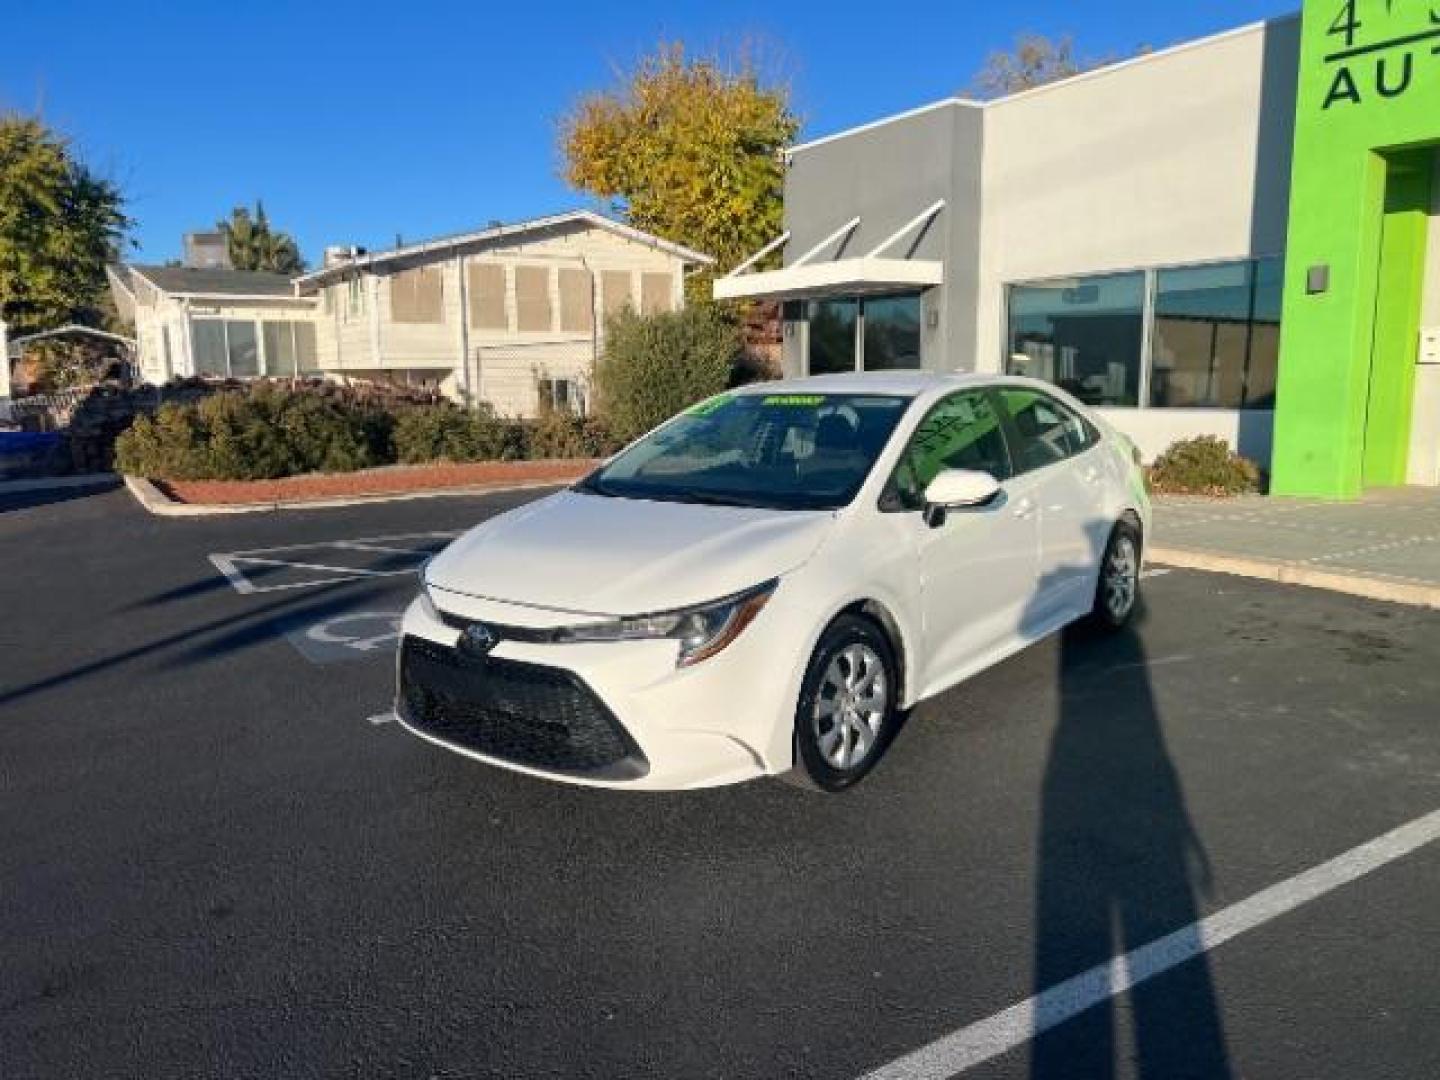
1374 57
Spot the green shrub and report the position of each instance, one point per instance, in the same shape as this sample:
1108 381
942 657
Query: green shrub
449 433
656 365
1203 466
255 434
557 434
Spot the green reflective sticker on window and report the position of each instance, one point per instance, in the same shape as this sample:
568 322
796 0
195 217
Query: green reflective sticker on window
705 408
800 401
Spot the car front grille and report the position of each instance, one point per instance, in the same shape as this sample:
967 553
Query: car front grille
541 717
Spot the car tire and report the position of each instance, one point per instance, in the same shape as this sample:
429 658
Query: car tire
848 707
1117 589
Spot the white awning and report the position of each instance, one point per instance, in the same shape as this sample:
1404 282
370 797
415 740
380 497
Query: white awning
862 276
849 277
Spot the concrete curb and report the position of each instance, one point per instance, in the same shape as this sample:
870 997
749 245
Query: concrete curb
161 505
1369 586
58 483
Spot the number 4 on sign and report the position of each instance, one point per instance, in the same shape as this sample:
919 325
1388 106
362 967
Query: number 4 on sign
1346 23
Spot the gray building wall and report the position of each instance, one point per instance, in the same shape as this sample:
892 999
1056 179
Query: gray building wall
887 174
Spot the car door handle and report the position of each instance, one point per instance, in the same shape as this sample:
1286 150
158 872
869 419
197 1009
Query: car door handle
1025 508
1091 474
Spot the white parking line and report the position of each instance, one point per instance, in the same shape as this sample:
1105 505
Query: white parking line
979 1042
231 563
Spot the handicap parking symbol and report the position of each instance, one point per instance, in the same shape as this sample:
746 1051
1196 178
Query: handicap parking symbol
353 635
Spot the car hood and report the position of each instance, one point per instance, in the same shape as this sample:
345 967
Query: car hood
580 552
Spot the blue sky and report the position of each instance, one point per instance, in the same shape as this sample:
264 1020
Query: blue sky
358 121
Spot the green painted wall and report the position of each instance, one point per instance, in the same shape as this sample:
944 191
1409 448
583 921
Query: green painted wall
1403 232
1369 96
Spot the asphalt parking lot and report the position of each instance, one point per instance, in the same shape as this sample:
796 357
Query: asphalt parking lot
219 858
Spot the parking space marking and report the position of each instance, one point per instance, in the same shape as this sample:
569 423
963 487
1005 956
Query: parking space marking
383 718
310 558
970 1046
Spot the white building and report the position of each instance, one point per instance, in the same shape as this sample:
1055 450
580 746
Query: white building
507 315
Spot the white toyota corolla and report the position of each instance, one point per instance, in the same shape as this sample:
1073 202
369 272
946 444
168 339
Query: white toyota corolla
763 584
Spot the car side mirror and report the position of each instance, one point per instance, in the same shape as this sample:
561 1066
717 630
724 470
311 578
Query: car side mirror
958 489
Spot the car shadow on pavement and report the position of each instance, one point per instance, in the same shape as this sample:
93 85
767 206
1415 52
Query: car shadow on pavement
1119 866
33 500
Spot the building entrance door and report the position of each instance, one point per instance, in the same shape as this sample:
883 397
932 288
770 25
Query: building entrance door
1394 346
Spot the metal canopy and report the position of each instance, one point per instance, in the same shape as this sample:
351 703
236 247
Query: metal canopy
863 276
851 277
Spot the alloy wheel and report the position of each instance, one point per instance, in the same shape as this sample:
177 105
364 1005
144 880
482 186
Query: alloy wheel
851 705
1122 573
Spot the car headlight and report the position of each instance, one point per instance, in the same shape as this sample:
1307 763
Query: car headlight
702 631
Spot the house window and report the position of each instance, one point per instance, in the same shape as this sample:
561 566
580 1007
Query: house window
532 299
559 395
279 339
242 347
416 295
487 296
656 293
307 352
615 287
355 297
208 338
1082 334
577 307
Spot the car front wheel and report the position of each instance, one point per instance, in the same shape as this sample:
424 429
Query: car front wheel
847 707
1118 590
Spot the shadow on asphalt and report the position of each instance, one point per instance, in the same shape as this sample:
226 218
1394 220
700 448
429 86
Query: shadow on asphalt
218 637
1119 866
31 500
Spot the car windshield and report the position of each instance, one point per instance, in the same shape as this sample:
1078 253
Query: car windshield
782 451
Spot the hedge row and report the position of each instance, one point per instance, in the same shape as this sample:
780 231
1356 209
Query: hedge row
268 432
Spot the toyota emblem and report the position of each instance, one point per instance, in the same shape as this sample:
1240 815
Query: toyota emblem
477 639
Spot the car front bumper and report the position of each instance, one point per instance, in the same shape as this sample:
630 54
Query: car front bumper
602 714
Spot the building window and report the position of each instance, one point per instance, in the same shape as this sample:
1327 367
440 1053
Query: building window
1217 335
208 338
559 395
307 352
656 293
279 339
1213 333
615 290
532 299
1083 334
891 329
355 298
577 305
875 334
242 347
487 296
832 335
417 295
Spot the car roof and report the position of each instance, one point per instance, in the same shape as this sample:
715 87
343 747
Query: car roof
902 383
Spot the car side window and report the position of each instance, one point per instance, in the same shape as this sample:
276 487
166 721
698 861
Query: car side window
1047 430
961 432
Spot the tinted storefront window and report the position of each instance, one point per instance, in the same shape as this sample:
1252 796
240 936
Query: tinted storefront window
892 333
1217 335
1082 334
832 336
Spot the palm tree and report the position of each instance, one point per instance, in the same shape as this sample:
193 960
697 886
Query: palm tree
253 245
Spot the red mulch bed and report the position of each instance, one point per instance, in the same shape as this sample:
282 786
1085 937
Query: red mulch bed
387 481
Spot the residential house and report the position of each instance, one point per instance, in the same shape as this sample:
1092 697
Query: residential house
510 315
